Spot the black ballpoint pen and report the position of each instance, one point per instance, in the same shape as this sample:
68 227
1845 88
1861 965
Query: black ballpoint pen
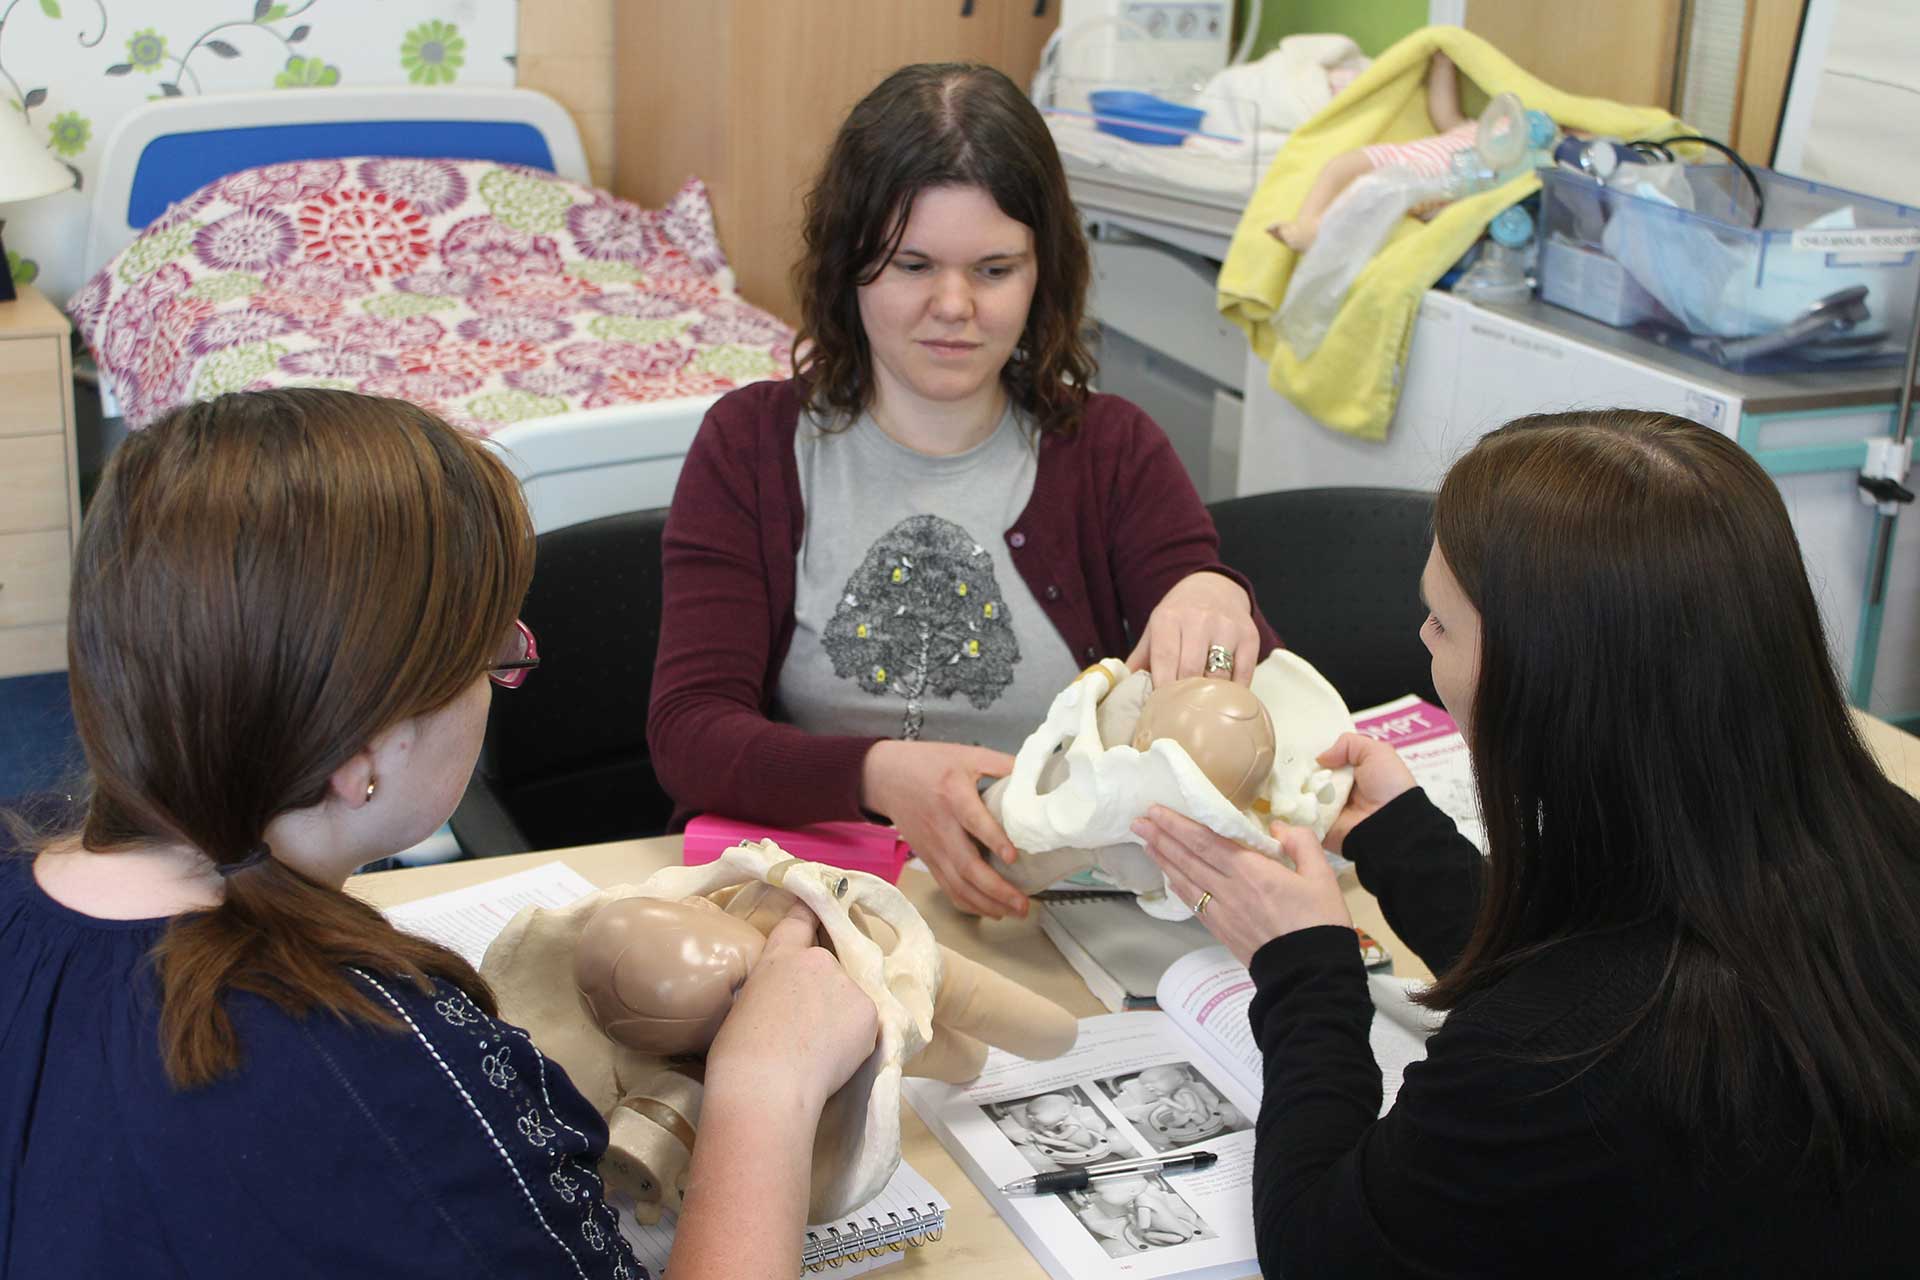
1080 1179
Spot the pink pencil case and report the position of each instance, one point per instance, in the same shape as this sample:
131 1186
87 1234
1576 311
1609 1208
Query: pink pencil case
857 846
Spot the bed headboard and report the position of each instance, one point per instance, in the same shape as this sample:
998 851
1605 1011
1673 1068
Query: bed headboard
171 148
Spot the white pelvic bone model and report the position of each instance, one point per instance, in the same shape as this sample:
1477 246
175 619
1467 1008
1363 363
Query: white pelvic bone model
652 1102
1078 785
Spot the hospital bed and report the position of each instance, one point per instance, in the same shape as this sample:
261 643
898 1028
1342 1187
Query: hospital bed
596 362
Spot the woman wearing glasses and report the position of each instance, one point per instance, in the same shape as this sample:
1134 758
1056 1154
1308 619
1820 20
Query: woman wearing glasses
290 610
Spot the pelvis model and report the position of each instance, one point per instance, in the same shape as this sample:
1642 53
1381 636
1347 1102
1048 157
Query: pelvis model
626 988
1112 746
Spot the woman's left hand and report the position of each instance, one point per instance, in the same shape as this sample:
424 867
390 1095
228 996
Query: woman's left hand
1255 898
1201 610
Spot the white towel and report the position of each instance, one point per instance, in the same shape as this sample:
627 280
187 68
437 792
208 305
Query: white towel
1284 89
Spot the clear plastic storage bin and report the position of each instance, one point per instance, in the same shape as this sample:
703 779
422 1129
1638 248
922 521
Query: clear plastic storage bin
1826 280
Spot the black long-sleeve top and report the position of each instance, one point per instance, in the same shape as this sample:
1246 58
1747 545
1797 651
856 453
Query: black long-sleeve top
1496 1158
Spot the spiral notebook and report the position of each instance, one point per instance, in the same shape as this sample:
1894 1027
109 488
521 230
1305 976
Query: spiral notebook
907 1214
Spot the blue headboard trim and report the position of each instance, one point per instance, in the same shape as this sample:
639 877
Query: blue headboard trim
180 164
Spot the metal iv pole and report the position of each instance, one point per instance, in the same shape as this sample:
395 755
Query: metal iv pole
1889 492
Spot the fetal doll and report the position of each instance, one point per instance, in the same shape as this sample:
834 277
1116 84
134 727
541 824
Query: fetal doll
1152 1217
1428 157
1168 1101
1060 1132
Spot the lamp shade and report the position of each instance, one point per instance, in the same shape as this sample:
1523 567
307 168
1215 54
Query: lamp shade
27 172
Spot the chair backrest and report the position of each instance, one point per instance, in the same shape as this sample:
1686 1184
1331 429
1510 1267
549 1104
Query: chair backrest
1337 572
566 753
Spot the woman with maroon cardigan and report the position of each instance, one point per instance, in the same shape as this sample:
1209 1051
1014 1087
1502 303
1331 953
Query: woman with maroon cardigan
878 573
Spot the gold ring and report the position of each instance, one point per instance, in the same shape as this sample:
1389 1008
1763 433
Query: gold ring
1219 660
1206 896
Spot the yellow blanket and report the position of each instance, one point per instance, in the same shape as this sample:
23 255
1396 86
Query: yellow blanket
1352 381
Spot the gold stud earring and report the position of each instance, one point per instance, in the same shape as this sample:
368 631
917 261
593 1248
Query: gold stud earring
370 786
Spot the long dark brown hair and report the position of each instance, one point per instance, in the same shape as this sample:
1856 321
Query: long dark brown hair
1660 741
941 125
264 582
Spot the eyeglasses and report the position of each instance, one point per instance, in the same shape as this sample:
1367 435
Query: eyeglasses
515 657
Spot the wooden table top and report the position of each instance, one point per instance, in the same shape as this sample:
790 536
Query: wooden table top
975 1236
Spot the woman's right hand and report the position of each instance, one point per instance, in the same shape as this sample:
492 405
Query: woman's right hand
1379 776
930 791
798 1019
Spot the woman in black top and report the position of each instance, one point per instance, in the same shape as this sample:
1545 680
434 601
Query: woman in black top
1683 987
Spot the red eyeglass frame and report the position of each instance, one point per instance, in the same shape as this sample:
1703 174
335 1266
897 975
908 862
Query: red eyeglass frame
511 675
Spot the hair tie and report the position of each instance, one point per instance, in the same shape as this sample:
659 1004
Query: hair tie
255 856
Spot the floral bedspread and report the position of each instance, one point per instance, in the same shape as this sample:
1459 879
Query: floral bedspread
489 293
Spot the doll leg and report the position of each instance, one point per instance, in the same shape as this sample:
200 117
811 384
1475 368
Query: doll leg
979 1002
1298 232
1443 94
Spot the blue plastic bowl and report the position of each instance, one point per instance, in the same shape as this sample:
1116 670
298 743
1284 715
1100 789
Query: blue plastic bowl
1173 120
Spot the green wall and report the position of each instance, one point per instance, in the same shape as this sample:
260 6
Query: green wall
1373 24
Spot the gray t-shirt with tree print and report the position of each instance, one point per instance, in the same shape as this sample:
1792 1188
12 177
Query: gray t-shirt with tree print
910 620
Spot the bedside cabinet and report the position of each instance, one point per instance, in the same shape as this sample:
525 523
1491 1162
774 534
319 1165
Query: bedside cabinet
39 485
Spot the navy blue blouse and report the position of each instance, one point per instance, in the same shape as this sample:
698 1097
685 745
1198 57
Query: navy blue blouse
450 1148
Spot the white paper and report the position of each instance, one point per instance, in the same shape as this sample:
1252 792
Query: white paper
467 920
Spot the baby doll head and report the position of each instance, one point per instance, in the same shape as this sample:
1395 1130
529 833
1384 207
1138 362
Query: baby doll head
1049 1111
1162 1081
1116 1194
659 975
1224 728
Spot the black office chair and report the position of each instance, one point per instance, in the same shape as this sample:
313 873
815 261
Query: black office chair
1337 572
565 760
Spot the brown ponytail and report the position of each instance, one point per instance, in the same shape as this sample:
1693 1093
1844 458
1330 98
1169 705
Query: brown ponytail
264 583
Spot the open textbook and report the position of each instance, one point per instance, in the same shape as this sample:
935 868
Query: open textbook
1142 1084
908 1212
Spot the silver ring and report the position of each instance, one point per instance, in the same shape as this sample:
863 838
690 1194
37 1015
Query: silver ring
1206 896
1219 660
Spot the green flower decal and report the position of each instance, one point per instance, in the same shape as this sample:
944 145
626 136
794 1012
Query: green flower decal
226 286
731 360
431 53
631 329
325 384
609 272
514 406
70 133
153 250
398 306
146 50
23 270
235 368
307 73
524 202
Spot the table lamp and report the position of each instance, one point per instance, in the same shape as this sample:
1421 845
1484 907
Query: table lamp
27 172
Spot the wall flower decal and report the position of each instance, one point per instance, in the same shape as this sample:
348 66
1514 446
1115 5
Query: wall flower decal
307 73
433 53
69 133
146 50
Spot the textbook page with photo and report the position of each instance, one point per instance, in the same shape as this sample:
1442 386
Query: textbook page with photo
1136 1085
907 1214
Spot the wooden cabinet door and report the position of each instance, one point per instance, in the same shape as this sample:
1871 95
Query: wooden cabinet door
1620 49
748 94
